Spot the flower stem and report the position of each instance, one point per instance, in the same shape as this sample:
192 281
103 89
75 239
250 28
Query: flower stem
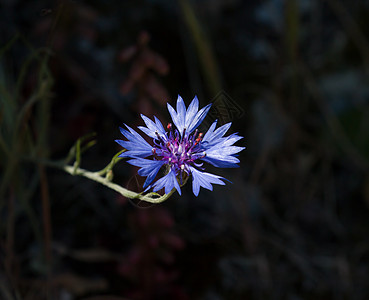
96 176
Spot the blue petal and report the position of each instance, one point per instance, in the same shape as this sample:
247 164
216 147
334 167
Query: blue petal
136 153
222 156
209 133
169 181
175 118
135 145
219 150
222 150
189 119
221 130
231 139
203 179
152 127
159 125
148 132
181 112
229 162
213 137
199 117
150 124
149 168
191 111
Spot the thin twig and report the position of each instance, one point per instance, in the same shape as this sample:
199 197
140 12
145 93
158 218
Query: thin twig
95 176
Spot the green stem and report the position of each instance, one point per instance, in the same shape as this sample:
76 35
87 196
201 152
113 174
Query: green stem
96 176
112 163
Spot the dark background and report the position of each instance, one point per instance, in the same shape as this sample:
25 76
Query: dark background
291 75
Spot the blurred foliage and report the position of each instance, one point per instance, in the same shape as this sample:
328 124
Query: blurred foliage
24 127
293 225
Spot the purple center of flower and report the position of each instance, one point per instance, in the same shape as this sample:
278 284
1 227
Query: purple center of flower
178 151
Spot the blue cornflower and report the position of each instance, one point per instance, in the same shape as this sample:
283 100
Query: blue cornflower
180 150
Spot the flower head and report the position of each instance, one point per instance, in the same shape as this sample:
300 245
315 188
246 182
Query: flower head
181 149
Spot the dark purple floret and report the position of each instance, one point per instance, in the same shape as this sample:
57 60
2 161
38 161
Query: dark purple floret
179 151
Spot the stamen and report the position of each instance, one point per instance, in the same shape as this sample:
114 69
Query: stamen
157 143
198 140
159 137
169 126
